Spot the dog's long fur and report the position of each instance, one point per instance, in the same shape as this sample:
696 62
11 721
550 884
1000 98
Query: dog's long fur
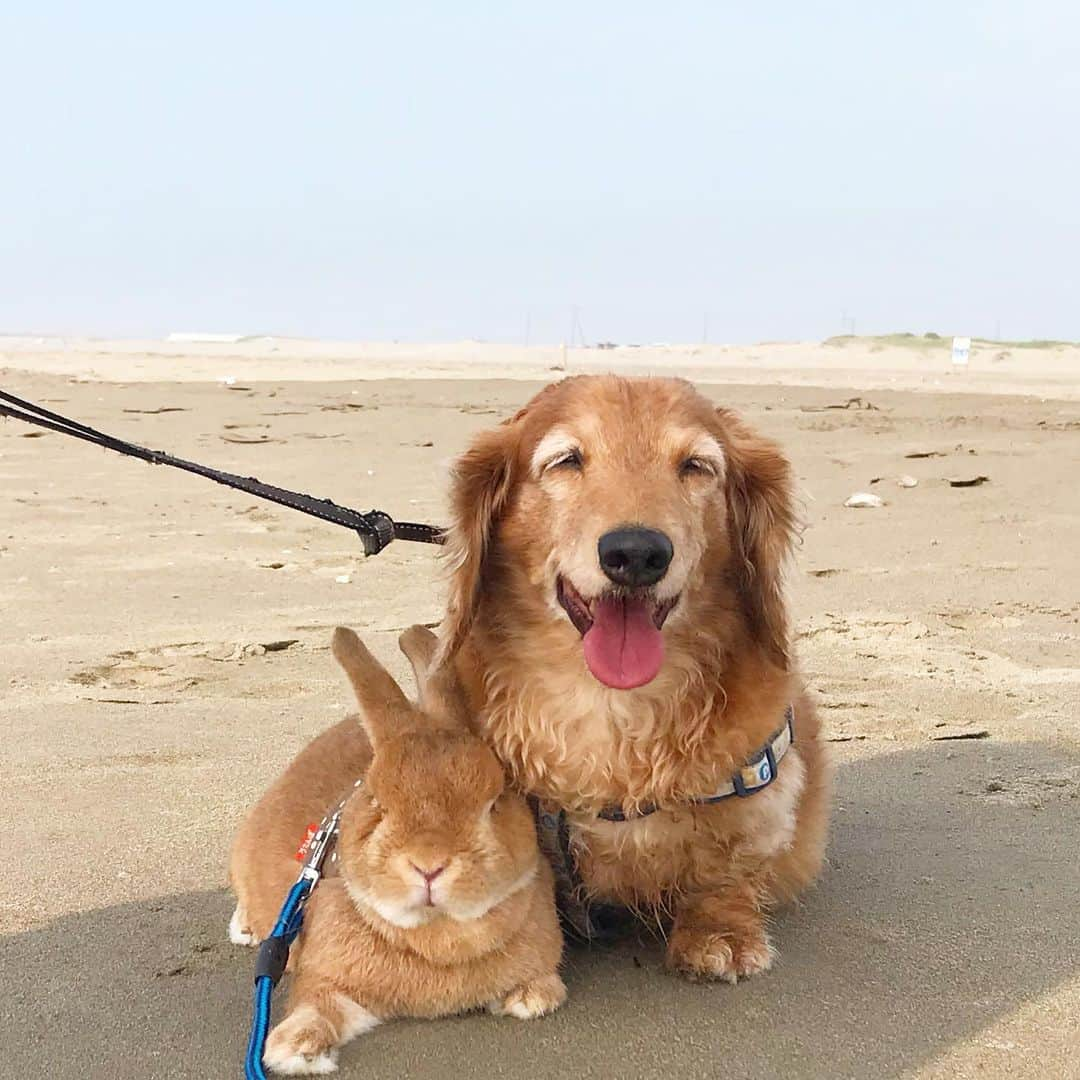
518 524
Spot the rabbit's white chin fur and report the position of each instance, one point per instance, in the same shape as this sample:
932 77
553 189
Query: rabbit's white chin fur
408 916
403 916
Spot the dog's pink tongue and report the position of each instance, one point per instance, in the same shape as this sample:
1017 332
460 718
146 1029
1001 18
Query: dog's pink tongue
623 647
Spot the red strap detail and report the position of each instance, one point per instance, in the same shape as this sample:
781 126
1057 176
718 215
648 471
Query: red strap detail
302 850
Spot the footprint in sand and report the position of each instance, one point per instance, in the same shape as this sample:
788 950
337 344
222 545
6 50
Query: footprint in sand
175 668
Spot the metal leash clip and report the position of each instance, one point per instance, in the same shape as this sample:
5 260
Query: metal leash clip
378 531
319 847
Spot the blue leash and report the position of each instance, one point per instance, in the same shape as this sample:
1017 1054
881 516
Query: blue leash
274 950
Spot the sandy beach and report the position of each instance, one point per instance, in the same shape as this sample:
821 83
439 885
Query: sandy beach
165 651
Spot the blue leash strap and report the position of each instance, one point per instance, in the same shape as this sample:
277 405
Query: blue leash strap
253 1066
274 950
269 967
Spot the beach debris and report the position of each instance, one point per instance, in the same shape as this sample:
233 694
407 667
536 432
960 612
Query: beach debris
858 403
128 701
950 733
906 481
959 448
343 579
156 412
861 500
249 440
825 571
1063 425
227 380
239 651
271 565
968 481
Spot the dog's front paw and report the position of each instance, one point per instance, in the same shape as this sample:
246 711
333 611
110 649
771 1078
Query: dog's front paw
302 1045
533 999
715 955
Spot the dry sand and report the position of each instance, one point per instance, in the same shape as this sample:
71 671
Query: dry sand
141 716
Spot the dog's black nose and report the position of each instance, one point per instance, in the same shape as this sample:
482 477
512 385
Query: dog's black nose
634 555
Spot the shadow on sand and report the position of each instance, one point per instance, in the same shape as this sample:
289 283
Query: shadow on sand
944 907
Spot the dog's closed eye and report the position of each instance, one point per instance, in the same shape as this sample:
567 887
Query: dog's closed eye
697 466
558 451
702 457
571 459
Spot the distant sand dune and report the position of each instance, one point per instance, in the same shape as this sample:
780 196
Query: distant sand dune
895 361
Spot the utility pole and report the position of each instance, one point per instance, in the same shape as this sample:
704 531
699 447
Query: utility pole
576 331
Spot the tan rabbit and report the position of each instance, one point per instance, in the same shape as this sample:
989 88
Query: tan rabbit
442 903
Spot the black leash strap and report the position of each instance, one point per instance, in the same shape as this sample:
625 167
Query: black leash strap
375 528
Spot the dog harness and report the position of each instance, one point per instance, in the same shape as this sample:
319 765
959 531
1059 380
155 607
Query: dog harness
585 920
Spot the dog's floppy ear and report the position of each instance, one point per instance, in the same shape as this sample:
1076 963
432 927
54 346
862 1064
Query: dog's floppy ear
763 526
480 487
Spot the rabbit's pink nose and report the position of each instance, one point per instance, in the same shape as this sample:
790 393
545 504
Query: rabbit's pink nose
428 875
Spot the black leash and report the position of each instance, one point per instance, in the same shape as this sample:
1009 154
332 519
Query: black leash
375 528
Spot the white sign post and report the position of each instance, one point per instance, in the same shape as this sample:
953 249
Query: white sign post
961 348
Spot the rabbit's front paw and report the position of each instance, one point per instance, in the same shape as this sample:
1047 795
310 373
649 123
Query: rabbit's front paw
303 1044
532 999
239 932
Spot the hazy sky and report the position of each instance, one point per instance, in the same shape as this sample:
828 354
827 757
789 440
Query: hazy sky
440 171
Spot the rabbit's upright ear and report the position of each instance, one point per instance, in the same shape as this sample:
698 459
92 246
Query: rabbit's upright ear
384 707
440 692
418 644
